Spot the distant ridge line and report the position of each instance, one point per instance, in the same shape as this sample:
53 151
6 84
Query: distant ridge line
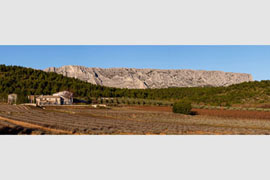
133 78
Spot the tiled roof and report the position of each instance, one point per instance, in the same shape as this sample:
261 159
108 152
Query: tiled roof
47 96
65 94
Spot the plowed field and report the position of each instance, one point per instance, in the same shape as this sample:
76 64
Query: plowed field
139 120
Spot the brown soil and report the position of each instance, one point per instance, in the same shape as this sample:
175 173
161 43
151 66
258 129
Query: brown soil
211 112
234 113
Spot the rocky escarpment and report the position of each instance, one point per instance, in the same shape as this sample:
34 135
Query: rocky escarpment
151 78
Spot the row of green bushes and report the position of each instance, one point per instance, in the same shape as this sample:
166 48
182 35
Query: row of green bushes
129 101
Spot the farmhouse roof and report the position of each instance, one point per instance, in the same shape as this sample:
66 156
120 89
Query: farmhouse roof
47 96
64 94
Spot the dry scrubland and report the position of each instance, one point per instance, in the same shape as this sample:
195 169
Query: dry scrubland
128 120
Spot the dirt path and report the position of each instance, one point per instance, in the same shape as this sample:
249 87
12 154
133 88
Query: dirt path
33 126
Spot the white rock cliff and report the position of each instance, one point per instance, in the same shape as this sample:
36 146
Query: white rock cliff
151 78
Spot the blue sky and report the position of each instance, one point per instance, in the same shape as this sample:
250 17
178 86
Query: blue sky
246 59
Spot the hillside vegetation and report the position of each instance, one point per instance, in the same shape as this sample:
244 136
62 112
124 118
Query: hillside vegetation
27 81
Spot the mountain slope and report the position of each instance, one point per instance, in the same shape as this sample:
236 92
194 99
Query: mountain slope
132 78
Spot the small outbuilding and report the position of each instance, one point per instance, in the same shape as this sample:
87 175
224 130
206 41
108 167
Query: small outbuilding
12 98
32 98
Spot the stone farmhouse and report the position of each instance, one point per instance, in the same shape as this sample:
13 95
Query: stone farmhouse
60 98
48 100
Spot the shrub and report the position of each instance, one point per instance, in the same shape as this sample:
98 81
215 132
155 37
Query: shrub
148 102
183 107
